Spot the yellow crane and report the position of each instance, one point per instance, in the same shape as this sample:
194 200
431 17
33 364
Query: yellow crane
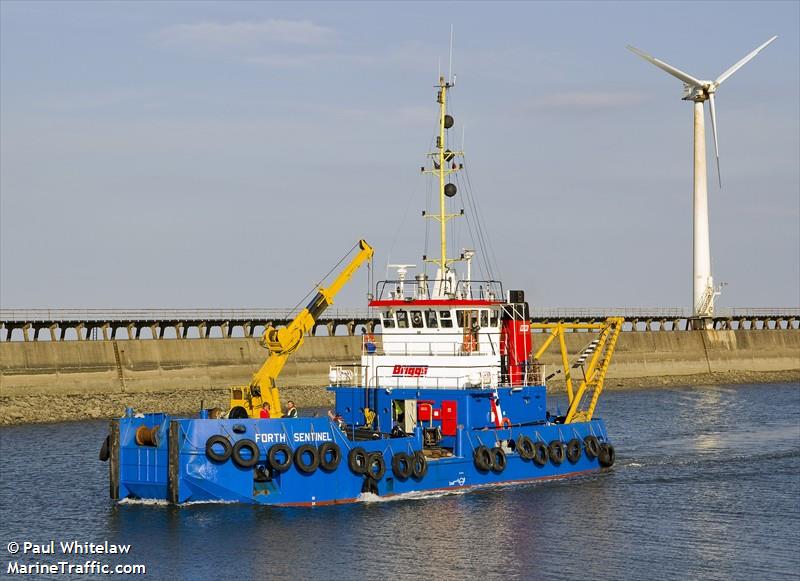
246 401
583 400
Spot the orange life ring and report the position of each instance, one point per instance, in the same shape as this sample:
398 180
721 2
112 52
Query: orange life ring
506 423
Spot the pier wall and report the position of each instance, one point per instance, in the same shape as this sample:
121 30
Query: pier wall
112 367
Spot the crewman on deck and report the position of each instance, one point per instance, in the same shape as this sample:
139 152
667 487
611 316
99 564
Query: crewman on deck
291 411
264 411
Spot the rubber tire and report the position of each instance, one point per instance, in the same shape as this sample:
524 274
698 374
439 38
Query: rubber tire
336 456
607 455
499 460
557 452
104 453
237 456
402 465
238 413
541 453
525 447
272 457
592 446
482 458
574 450
376 459
226 447
299 460
419 465
357 460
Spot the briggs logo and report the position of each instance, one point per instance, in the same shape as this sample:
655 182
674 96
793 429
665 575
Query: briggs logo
410 370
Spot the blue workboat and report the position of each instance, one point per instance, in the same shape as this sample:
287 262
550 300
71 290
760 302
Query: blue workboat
450 396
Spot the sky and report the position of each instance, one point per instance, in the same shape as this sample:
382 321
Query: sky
226 155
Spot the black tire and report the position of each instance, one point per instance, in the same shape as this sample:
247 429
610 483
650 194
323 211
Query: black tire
482 458
557 452
402 465
241 461
300 458
419 465
499 460
275 462
540 453
357 460
212 454
376 466
104 453
607 455
592 446
238 413
336 456
525 447
574 450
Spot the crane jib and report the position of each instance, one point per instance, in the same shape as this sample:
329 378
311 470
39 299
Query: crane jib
317 305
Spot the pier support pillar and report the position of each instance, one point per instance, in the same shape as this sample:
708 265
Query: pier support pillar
53 329
331 327
203 328
105 329
226 329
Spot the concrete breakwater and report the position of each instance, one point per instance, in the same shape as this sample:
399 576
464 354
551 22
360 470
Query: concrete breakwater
48 381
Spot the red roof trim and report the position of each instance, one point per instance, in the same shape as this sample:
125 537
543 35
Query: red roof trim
435 303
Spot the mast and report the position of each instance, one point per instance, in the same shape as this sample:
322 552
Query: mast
443 166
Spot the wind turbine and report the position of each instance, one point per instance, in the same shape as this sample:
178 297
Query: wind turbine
701 91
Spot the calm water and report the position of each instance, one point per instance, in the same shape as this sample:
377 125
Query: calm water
706 486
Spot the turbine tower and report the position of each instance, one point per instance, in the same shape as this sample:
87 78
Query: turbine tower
699 92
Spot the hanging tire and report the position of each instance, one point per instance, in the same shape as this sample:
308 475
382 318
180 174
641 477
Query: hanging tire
357 460
238 413
242 461
607 455
376 466
574 450
499 460
592 446
104 453
557 452
335 452
274 460
482 458
402 465
525 447
540 453
300 458
215 456
419 465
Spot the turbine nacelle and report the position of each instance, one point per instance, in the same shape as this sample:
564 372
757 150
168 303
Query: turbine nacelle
699 93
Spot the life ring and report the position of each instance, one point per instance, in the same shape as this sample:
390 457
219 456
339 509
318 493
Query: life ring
482 458
574 450
525 447
104 453
215 456
540 453
236 453
274 460
419 465
499 460
357 460
376 466
557 452
300 458
336 456
592 445
402 465
506 423
607 455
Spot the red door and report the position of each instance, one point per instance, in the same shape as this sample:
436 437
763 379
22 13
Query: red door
449 418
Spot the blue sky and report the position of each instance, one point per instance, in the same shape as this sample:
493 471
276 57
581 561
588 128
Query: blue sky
227 154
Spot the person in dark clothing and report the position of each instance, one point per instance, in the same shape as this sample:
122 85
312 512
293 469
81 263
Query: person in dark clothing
291 411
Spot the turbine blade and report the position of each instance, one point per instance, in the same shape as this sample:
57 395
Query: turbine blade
713 112
686 78
743 62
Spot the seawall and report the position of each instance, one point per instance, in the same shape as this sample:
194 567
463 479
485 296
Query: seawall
108 374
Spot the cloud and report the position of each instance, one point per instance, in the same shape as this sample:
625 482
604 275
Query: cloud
233 35
588 100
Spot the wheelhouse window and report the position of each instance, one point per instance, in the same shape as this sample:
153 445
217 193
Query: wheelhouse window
402 319
416 319
430 319
445 319
388 320
495 317
484 318
467 319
